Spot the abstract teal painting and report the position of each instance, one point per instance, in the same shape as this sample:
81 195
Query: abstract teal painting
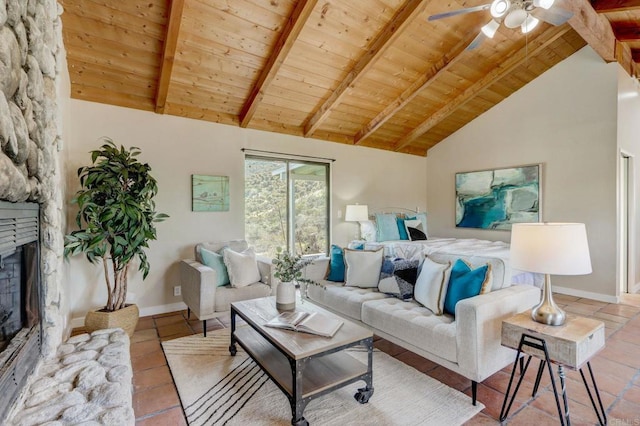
210 193
496 199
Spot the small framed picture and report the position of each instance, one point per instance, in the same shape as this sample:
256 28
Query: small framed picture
210 193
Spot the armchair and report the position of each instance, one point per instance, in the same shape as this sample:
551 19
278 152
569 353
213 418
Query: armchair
200 290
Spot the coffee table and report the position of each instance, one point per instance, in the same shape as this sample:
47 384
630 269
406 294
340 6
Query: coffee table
304 366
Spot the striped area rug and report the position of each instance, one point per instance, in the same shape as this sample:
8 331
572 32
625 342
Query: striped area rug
218 389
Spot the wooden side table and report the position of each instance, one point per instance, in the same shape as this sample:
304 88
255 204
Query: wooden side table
570 345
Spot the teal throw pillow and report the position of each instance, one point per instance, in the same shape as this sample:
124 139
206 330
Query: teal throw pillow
386 227
336 264
464 282
215 261
401 229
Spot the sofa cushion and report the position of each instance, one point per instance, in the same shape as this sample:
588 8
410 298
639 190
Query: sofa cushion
466 282
431 286
398 277
363 267
215 261
414 324
343 299
335 271
242 267
500 272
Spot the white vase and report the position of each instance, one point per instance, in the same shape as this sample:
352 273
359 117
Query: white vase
286 296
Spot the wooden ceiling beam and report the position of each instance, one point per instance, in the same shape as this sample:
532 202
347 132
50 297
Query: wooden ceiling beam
280 51
593 27
501 69
635 55
413 90
606 6
401 20
168 53
627 34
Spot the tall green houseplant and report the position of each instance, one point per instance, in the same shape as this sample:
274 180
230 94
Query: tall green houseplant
116 216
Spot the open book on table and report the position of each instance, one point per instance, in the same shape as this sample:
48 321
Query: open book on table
306 322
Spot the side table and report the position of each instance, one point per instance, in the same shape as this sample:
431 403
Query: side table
570 345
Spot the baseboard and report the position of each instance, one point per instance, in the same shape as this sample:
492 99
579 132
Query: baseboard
586 294
144 312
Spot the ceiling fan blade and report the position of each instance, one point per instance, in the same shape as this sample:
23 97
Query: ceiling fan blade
477 41
554 16
459 12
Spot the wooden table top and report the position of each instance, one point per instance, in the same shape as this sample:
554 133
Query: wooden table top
296 344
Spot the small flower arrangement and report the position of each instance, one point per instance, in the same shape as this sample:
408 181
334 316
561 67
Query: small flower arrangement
288 267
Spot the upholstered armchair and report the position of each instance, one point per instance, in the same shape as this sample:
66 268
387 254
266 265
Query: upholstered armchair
202 286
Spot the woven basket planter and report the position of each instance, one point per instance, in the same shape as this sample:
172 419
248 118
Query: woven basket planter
126 318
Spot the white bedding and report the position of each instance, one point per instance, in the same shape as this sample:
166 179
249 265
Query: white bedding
467 246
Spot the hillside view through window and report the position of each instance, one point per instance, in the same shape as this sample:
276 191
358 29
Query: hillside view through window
286 205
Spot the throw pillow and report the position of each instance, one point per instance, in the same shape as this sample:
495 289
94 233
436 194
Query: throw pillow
368 230
422 217
402 230
363 267
398 276
215 261
466 282
415 229
242 267
386 227
335 271
431 286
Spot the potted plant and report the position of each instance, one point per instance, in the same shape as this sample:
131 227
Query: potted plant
288 270
116 219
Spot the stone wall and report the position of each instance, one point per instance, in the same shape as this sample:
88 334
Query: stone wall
31 54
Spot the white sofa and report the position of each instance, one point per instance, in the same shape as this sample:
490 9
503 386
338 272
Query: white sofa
468 344
200 290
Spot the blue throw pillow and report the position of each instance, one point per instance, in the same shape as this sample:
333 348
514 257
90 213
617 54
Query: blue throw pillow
386 227
401 229
336 264
215 261
464 282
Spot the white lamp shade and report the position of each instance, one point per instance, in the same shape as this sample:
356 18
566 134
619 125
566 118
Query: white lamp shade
550 248
499 8
515 18
545 4
356 213
529 24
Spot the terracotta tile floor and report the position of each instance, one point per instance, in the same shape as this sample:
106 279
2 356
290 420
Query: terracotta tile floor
617 371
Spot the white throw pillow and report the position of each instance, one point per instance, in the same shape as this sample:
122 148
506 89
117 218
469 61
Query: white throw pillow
242 267
431 286
363 267
368 230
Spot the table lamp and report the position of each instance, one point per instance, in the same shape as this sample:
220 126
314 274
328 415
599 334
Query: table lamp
356 213
550 249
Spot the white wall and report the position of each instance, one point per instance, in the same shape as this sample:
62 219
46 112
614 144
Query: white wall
629 144
176 148
566 120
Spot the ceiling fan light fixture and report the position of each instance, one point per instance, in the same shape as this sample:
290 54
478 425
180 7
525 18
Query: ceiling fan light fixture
499 8
545 4
515 18
490 28
529 24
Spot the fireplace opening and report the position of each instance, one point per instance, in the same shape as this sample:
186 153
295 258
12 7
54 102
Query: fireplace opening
20 298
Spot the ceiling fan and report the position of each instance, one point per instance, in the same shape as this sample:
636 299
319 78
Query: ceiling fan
525 14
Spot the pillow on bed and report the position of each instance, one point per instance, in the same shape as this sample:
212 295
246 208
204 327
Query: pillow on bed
363 267
398 277
431 286
386 227
415 230
422 217
402 229
466 282
368 230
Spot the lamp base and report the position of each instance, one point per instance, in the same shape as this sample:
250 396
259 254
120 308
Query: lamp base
547 312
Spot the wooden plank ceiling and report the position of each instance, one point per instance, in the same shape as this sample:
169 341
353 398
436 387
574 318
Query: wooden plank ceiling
373 73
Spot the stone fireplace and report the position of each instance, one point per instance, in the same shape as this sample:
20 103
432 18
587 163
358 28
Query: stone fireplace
31 60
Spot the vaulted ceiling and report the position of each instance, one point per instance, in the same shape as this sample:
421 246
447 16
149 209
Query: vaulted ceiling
373 73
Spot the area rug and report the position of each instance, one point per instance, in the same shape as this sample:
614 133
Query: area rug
218 389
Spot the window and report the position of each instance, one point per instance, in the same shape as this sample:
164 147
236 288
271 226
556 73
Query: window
286 205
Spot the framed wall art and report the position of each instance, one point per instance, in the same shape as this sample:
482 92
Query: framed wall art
496 199
209 193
